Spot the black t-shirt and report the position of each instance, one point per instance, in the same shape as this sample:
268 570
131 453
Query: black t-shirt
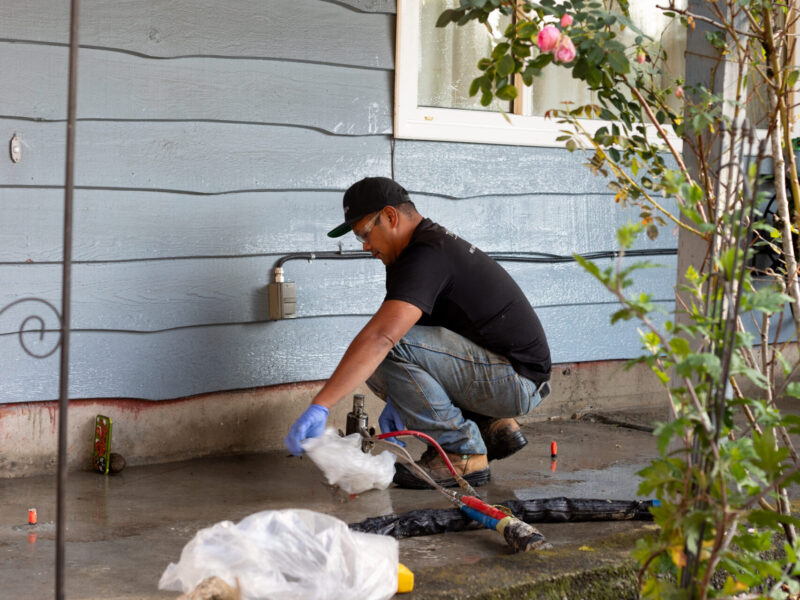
459 287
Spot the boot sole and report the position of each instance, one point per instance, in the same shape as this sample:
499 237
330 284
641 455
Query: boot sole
404 478
511 443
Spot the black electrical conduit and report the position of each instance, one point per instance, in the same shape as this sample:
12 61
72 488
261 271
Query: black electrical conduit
539 510
531 257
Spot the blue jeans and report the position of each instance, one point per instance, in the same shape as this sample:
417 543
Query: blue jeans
433 373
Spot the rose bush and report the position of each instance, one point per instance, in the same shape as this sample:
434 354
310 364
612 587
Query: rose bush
722 483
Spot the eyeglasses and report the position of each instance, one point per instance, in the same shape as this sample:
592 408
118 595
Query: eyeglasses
363 235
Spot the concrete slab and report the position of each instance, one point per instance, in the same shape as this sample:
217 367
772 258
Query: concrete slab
124 529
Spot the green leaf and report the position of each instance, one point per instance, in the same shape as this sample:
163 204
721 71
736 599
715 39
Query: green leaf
506 92
729 261
664 433
769 457
528 30
627 234
618 61
680 346
793 390
785 365
623 314
475 86
500 50
505 66
791 79
449 16
701 363
592 268
765 300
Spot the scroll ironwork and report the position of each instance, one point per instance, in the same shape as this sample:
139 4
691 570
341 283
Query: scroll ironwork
40 326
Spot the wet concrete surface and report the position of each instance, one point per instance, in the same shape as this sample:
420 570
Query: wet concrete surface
124 529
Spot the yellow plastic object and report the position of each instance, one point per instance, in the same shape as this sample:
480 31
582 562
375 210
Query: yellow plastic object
405 579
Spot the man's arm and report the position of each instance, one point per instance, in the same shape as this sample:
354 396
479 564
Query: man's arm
392 321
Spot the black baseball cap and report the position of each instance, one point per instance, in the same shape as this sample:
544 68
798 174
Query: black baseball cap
367 196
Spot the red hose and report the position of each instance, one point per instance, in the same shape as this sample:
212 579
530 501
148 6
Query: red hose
483 507
471 501
427 438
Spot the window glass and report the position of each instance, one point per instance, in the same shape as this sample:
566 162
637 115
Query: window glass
449 56
448 60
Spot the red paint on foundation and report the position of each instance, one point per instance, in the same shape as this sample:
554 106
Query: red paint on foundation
138 405
52 409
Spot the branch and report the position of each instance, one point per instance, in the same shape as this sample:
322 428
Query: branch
690 15
662 133
620 172
778 483
704 420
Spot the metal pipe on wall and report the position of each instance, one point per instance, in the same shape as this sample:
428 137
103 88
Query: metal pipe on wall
66 285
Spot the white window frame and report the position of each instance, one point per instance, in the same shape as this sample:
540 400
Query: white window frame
460 125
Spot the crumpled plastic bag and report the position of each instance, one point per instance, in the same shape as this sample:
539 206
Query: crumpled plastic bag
345 465
289 554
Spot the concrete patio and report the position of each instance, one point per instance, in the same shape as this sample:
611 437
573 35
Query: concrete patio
124 529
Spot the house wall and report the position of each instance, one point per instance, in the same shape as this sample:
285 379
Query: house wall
214 138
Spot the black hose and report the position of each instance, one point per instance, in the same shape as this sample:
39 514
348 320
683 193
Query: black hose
538 510
530 257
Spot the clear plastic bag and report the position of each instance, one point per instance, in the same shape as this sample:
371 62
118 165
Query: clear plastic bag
289 554
345 465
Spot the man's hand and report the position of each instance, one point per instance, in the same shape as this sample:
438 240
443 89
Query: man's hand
390 421
308 425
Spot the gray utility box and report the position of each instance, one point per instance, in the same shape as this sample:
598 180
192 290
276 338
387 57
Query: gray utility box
282 300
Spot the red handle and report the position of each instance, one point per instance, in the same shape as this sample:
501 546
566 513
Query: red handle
486 509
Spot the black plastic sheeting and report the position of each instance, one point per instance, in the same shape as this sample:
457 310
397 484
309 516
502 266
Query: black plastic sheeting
540 510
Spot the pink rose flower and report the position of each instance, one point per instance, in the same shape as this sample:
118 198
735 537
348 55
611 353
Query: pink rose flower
566 21
565 51
679 92
548 38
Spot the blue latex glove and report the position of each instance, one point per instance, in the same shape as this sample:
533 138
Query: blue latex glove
390 421
308 425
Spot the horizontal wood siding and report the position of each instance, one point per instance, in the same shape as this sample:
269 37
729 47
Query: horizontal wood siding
342 100
214 138
130 224
157 295
347 33
194 157
196 360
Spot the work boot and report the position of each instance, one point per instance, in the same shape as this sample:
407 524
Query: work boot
474 468
501 436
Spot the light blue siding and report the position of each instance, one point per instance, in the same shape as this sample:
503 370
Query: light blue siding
214 138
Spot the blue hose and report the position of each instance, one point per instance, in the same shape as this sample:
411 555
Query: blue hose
476 515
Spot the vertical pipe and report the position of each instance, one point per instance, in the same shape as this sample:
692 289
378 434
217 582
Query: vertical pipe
66 284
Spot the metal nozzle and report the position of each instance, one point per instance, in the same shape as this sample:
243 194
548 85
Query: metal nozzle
358 422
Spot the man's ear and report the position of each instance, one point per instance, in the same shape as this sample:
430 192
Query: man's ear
391 215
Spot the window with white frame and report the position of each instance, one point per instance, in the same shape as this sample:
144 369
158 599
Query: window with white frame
435 67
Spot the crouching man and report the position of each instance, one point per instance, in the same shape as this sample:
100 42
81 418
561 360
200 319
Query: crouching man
455 350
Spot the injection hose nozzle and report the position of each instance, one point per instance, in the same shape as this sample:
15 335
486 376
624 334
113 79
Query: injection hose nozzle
523 537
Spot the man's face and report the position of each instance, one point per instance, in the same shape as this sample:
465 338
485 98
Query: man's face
372 232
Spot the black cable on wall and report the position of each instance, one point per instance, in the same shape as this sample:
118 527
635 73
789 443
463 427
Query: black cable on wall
529 257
